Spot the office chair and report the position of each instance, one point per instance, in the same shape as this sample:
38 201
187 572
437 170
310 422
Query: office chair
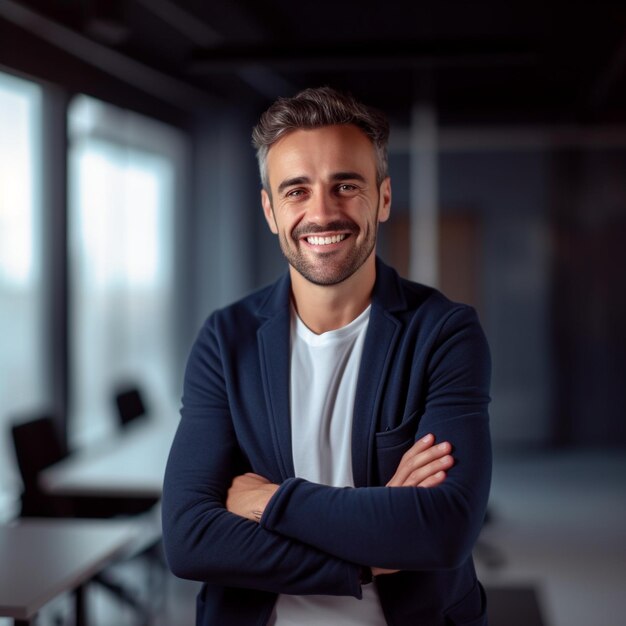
37 446
130 404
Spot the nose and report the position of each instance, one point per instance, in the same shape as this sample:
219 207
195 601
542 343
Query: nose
322 208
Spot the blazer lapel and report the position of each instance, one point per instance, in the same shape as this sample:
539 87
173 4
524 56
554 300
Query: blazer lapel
274 354
382 335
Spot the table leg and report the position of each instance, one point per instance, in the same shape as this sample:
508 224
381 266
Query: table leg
81 612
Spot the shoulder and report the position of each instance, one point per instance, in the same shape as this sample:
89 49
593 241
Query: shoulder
408 300
443 334
233 328
249 312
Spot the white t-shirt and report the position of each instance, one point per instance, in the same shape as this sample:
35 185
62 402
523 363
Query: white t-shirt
324 371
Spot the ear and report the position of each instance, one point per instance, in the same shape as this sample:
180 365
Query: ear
384 208
268 211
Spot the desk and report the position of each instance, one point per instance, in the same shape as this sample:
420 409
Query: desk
131 464
44 558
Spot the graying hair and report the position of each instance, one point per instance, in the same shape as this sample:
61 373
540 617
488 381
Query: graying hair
314 108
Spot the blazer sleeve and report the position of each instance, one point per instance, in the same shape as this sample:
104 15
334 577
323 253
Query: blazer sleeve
403 527
202 540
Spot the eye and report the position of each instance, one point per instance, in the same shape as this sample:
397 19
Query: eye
346 188
295 193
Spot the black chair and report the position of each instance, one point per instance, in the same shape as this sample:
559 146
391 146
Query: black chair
130 404
37 446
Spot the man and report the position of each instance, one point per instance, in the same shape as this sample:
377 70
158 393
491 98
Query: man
332 463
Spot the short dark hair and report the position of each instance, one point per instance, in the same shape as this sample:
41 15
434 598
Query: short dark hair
314 108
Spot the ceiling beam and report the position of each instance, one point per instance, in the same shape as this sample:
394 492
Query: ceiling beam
162 86
262 79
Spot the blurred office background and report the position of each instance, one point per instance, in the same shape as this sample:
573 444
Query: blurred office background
129 210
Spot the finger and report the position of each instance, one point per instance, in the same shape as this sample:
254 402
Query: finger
379 571
256 477
252 481
434 480
422 444
429 462
415 479
245 482
413 462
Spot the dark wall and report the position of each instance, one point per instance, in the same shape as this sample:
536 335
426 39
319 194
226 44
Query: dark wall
588 218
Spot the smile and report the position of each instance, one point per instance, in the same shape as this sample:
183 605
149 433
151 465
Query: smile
324 241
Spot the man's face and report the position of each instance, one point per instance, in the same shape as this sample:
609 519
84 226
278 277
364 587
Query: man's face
325 205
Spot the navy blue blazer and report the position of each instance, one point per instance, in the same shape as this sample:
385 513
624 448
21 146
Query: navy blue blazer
425 369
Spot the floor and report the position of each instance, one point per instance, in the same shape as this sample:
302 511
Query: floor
559 526
552 554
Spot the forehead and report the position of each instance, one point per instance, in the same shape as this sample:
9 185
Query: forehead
320 152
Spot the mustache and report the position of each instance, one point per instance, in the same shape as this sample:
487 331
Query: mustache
335 226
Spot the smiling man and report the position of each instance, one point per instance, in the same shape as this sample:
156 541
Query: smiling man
332 463
327 217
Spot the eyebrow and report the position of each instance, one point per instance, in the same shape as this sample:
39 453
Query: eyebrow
340 176
289 182
304 180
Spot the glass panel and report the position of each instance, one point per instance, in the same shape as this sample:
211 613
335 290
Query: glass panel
22 385
121 264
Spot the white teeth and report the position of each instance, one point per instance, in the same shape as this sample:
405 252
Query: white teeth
324 241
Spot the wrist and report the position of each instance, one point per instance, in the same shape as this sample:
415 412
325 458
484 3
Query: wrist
264 496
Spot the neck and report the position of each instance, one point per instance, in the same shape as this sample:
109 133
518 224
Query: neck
327 307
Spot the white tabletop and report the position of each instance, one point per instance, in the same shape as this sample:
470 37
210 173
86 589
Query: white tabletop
43 558
131 464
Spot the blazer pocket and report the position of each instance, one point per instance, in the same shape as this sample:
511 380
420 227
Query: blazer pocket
391 445
471 610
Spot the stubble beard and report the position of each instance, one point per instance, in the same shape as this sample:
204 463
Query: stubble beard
328 271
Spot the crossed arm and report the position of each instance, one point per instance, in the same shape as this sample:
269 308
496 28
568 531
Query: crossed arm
423 465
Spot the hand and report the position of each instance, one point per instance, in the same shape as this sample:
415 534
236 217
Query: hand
379 571
423 465
248 495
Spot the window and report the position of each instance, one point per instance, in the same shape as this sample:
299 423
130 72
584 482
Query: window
122 173
22 375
